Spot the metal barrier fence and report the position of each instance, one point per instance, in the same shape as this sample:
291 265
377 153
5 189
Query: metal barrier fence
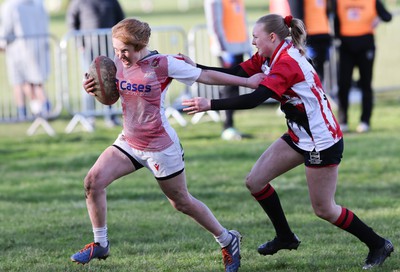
78 49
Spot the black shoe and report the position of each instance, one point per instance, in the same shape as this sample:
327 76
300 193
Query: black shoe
271 247
378 256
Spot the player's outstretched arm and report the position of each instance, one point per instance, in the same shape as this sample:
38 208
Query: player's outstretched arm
235 70
211 77
241 102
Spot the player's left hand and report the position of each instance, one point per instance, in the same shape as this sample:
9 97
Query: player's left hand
196 104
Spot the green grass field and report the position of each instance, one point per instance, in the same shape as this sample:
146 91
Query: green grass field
43 218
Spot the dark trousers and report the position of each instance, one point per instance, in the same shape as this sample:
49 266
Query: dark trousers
364 60
318 47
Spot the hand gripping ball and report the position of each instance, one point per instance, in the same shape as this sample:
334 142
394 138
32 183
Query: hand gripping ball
103 70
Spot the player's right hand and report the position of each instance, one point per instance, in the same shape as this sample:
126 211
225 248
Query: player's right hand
89 84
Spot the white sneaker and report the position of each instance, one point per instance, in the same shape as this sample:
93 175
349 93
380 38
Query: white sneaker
231 134
344 128
362 127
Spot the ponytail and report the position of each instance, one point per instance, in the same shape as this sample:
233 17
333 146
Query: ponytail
299 34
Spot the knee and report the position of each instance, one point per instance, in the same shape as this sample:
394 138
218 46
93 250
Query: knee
321 213
248 182
325 212
254 185
91 184
181 206
184 204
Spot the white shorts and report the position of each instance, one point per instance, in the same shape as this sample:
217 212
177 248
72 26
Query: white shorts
164 165
28 61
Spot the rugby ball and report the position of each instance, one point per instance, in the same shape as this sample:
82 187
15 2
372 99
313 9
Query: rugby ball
103 70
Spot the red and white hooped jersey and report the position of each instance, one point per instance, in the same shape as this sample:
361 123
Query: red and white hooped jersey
142 88
310 120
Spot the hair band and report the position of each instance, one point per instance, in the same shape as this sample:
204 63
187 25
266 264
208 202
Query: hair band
288 20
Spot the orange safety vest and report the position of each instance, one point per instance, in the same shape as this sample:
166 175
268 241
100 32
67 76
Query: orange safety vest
356 16
315 17
234 16
227 26
280 7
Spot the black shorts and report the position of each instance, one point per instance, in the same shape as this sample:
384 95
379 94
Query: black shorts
331 156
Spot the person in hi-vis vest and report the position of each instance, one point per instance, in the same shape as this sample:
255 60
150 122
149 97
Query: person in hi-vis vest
355 21
230 40
315 15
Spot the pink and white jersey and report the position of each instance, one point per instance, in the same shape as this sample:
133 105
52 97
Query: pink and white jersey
297 87
142 88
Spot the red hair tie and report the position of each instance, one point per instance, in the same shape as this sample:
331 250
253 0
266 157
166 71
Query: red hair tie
288 20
